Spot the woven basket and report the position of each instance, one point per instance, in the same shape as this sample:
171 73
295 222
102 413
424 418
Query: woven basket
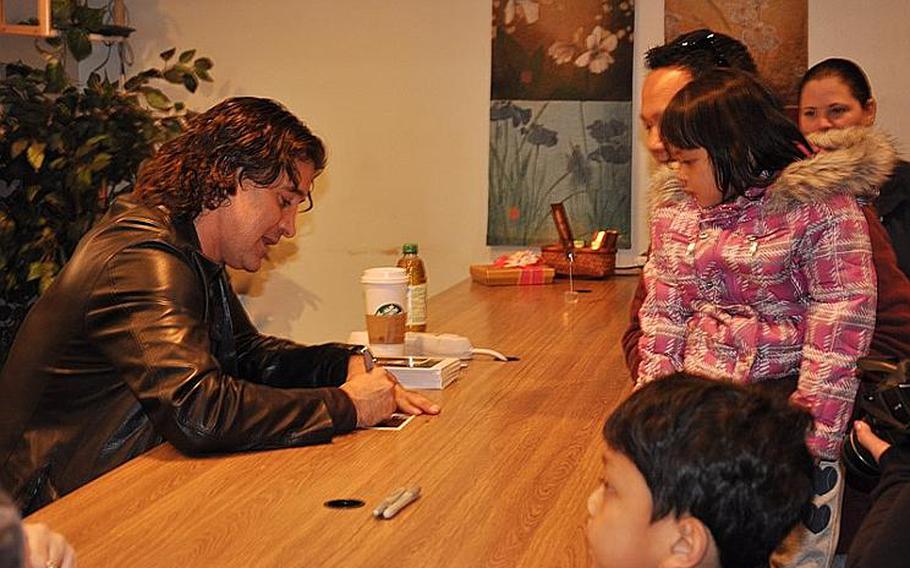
588 263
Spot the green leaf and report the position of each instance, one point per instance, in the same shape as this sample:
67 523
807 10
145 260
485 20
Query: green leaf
83 177
47 280
55 142
94 81
204 75
190 82
166 55
174 75
35 154
57 163
44 272
18 147
36 270
31 191
101 161
134 83
187 56
156 99
202 64
78 43
55 76
179 106
96 139
92 19
61 12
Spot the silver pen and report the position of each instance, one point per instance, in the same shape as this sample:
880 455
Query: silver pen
388 501
403 501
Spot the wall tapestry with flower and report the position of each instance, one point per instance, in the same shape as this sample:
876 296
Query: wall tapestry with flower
560 118
775 31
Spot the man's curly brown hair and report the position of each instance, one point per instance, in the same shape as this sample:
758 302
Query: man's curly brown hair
239 138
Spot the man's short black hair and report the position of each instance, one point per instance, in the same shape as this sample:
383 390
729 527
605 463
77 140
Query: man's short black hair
12 539
729 455
700 51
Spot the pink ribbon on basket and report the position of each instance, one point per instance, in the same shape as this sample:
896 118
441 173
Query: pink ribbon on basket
531 275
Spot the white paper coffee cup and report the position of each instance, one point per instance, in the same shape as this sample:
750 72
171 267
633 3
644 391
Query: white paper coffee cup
385 290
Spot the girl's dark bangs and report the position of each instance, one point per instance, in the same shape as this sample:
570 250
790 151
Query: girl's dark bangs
676 130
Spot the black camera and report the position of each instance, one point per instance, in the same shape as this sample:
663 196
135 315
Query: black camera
883 402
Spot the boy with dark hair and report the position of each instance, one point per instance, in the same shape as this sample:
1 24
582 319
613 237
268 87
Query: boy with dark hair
699 473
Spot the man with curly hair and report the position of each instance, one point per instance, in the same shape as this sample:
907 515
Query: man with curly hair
140 339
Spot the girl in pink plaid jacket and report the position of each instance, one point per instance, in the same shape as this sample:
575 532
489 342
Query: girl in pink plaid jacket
761 267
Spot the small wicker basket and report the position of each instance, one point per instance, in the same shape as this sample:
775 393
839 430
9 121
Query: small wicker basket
589 263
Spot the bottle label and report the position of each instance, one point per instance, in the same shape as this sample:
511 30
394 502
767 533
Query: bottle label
417 304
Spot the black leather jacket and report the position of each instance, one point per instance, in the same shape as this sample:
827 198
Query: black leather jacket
894 207
140 339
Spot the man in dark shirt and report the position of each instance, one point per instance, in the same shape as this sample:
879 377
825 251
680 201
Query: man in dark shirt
140 338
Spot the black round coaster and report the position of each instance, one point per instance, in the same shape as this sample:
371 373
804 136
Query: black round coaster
344 504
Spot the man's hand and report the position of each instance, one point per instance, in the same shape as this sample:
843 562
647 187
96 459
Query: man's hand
412 402
47 548
372 394
869 440
377 394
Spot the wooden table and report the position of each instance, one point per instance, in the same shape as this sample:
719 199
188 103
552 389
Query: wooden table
505 469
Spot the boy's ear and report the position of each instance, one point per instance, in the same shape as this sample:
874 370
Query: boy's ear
692 545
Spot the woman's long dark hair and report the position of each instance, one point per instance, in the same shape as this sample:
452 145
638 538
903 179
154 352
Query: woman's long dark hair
256 137
740 124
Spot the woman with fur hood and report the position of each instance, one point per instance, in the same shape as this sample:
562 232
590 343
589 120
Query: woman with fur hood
761 267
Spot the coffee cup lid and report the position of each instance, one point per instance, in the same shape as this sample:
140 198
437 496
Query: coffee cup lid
384 275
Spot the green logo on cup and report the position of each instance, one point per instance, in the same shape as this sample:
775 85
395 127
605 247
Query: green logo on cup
389 310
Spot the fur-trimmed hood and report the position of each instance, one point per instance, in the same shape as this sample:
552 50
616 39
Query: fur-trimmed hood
854 161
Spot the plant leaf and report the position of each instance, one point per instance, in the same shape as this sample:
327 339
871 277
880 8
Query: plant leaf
101 161
190 82
61 12
204 75
173 75
156 99
31 191
17 148
166 55
187 56
35 154
202 64
54 76
78 43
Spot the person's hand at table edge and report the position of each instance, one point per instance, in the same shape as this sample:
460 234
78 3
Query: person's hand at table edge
413 402
373 396
46 548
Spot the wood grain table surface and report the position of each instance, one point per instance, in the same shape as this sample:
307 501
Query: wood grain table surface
505 469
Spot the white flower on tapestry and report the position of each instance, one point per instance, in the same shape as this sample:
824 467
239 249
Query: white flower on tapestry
597 58
527 9
561 52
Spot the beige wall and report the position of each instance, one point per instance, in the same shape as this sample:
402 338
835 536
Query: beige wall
400 91
875 35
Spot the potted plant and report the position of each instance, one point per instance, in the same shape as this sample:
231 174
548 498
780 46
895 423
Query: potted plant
67 150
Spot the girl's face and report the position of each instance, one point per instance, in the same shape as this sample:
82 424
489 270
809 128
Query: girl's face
828 103
696 172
